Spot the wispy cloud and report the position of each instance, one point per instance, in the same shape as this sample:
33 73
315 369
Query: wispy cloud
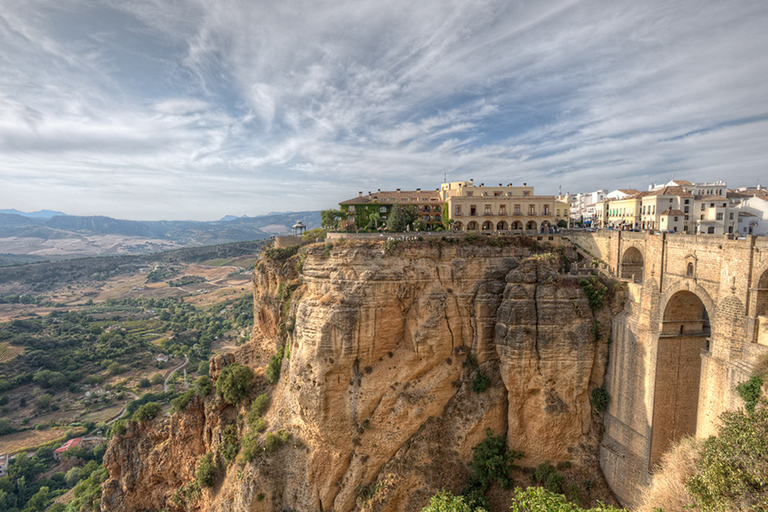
194 109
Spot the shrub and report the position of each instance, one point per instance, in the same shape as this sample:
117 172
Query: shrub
157 379
274 440
258 407
733 470
181 402
538 499
273 369
480 382
600 399
147 412
491 460
144 382
595 291
750 391
229 444
234 383
546 474
250 448
203 385
206 471
444 501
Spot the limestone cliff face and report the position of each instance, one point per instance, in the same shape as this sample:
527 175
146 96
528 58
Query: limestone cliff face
383 345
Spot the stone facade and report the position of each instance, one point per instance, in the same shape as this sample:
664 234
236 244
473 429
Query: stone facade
690 332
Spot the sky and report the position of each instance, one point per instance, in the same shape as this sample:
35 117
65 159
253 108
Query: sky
196 109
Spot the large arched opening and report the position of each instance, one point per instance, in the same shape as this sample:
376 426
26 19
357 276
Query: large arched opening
472 226
632 265
684 334
487 225
531 226
501 225
517 225
458 226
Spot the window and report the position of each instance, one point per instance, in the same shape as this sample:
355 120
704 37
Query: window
686 217
497 194
730 215
711 205
517 209
458 210
720 216
703 207
526 194
383 209
472 210
546 209
670 200
675 219
469 194
685 210
502 209
689 270
487 210
531 209
686 201
351 209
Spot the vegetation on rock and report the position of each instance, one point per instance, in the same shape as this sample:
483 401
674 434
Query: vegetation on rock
234 383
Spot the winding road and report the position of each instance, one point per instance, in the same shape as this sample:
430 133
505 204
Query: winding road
165 384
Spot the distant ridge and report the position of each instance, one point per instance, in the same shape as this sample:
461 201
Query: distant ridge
40 214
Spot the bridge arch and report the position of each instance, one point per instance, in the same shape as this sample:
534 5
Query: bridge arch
684 333
632 265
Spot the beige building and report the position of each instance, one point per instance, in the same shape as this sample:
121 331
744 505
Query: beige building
625 213
503 208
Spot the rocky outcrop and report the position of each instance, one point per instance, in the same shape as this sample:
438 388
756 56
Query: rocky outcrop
383 342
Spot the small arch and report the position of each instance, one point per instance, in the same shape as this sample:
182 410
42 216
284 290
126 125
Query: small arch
472 226
501 225
689 269
458 226
632 265
545 226
517 225
487 225
531 225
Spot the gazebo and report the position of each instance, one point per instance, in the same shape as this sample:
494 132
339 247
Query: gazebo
299 228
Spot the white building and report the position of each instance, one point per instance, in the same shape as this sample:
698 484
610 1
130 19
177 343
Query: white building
753 215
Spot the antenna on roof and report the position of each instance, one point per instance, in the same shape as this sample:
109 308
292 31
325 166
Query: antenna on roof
445 177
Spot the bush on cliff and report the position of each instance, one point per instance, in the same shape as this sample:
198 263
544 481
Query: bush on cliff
147 412
273 369
446 502
538 499
206 471
234 383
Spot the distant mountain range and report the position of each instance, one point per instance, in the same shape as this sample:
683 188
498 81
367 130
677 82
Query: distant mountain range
60 236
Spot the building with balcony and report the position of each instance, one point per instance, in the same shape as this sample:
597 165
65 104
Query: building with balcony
501 208
371 211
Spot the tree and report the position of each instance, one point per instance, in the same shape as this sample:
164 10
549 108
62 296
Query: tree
158 379
147 411
401 217
206 471
234 383
373 220
330 219
144 382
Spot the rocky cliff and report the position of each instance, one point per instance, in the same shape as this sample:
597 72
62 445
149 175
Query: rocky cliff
384 343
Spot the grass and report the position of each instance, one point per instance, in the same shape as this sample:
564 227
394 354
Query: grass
8 352
30 440
667 489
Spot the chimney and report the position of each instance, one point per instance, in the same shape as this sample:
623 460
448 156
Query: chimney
418 190
398 190
525 184
500 184
360 194
482 184
471 181
369 192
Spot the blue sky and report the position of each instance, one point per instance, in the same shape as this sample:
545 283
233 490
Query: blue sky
194 109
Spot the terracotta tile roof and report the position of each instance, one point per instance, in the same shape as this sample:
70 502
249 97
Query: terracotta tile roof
69 444
683 182
629 191
671 191
403 196
670 211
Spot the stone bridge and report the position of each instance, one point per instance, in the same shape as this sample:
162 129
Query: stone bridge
695 325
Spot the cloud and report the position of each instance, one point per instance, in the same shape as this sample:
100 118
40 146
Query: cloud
195 109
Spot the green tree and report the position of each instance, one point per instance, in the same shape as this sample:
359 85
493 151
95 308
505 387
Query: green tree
538 499
206 471
147 412
330 219
157 379
144 382
234 383
401 217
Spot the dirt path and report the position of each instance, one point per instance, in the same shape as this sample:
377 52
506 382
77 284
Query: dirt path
165 384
